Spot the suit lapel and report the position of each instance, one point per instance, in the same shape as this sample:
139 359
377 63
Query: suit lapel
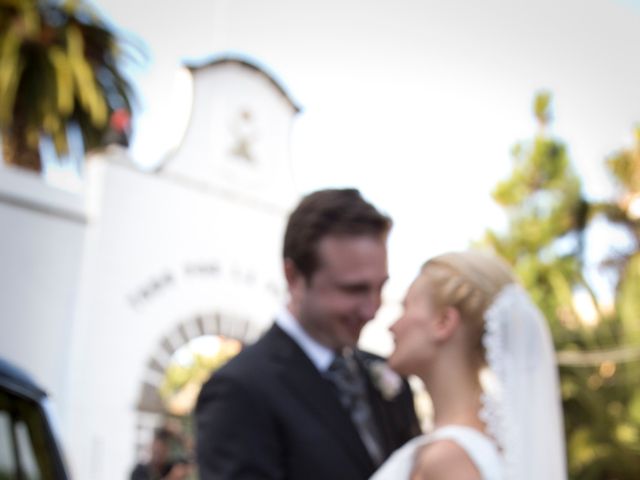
300 376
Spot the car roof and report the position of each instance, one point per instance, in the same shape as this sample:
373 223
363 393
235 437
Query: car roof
18 381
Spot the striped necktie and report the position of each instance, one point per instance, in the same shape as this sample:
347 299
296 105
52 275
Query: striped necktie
345 374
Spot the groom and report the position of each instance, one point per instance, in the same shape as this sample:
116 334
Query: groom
303 403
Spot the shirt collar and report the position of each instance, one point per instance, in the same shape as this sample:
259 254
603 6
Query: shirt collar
320 355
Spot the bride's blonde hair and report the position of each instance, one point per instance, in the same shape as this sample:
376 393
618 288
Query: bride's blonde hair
468 281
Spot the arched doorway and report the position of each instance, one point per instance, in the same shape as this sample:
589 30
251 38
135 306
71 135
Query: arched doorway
183 359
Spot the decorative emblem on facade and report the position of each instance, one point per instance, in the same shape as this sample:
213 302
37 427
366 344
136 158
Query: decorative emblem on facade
244 134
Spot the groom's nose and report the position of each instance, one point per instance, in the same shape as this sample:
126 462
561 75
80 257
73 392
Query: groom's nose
370 305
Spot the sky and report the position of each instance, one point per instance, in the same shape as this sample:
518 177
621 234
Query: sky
416 102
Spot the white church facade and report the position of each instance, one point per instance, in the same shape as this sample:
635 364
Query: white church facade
100 288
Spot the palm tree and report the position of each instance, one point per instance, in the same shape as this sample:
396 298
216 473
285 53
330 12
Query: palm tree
59 72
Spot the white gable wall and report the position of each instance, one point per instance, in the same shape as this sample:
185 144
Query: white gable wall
93 285
201 236
41 245
221 94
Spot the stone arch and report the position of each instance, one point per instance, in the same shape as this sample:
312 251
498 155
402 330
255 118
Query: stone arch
150 408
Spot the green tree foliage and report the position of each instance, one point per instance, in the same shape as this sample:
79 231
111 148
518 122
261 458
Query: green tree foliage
59 68
625 212
548 225
545 210
182 381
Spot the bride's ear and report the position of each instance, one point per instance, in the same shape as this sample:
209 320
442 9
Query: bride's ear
447 323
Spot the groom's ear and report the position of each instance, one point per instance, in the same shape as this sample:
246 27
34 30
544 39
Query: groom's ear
447 323
296 284
295 278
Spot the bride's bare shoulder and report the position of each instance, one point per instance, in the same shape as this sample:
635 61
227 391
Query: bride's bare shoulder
446 460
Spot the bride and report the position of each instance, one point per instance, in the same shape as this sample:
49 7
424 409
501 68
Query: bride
484 353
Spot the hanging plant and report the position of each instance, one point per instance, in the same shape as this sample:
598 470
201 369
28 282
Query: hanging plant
60 71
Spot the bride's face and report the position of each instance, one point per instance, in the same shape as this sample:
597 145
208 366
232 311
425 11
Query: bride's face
413 331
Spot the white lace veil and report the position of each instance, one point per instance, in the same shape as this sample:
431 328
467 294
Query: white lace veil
522 405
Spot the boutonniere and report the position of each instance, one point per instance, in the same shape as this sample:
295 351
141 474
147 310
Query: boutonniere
388 382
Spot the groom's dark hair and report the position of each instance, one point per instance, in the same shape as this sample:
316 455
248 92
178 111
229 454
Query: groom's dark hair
339 212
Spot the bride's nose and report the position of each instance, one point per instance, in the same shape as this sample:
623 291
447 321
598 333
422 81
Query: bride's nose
393 328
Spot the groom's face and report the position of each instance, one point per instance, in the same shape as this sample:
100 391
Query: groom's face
344 292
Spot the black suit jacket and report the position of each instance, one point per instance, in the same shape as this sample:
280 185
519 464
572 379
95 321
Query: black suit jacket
269 414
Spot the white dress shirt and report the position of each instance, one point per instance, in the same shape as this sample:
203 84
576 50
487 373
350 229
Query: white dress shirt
320 355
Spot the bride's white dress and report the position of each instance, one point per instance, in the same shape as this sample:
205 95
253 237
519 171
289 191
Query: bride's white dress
521 404
480 448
